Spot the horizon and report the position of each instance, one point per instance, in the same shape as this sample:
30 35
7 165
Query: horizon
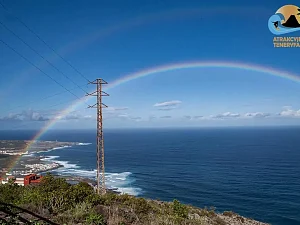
158 128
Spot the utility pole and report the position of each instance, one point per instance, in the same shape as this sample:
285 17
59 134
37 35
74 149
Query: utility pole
100 141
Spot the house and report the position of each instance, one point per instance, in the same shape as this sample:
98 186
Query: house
23 180
32 179
19 180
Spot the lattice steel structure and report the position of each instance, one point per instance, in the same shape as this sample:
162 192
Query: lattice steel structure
100 141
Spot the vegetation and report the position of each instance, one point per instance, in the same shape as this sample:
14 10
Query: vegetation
61 203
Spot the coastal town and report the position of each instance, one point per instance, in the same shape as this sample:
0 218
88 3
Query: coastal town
18 158
20 164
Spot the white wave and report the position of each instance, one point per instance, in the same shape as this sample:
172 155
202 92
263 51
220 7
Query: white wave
65 164
66 146
130 191
28 155
84 143
121 182
52 149
49 158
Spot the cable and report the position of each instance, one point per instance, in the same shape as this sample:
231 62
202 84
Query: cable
38 68
76 70
58 70
49 96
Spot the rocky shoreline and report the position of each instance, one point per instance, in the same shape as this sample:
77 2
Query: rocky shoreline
26 160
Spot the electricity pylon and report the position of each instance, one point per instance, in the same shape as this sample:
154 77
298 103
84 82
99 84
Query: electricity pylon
100 141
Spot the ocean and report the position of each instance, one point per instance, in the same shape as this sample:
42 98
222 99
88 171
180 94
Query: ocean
252 171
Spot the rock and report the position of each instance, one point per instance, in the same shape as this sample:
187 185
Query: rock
194 216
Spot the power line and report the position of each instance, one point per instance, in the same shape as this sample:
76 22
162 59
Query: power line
38 68
58 70
47 97
52 49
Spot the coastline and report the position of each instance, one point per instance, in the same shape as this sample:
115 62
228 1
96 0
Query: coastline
31 161
44 160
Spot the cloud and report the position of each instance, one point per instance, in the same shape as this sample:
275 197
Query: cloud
41 116
128 117
226 115
28 115
137 118
166 104
167 108
87 117
198 117
151 118
257 115
289 112
71 117
192 117
188 117
166 117
123 116
74 115
170 105
113 109
114 112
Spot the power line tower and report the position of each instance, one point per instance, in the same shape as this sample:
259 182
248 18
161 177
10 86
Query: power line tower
100 141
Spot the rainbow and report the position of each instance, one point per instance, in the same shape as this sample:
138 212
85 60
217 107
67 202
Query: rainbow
166 68
144 19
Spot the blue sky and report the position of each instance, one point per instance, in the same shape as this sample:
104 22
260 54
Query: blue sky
114 39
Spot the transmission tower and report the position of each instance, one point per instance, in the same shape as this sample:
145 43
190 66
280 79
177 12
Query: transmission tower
100 141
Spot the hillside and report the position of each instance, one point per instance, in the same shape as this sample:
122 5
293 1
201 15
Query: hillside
55 201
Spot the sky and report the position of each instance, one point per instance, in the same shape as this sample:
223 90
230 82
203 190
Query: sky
115 39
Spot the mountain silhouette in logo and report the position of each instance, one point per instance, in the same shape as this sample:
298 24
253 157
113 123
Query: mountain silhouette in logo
291 22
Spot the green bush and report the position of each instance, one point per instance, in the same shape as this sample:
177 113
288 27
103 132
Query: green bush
141 206
95 219
10 193
179 209
80 192
109 198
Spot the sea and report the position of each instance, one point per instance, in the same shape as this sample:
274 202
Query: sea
252 171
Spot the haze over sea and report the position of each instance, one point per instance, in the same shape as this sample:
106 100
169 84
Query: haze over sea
252 171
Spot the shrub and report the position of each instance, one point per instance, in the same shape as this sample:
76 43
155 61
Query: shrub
141 206
10 193
80 192
228 213
179 209
49 183
109 198
96 219
95 199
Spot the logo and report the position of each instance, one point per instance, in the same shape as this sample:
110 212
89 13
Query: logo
285 20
